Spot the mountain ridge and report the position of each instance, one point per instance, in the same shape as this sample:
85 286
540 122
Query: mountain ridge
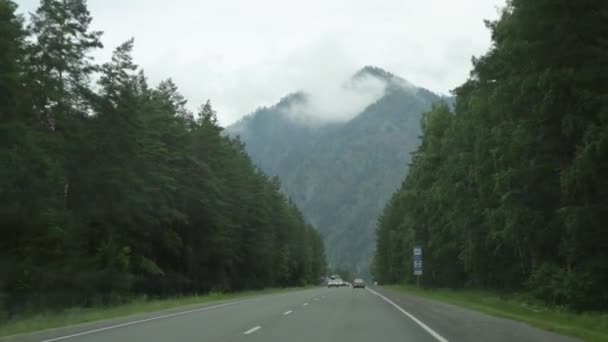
341 174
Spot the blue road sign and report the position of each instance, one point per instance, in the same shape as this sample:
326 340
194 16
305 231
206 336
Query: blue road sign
417 260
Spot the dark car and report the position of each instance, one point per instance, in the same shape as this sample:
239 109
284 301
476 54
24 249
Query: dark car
358 283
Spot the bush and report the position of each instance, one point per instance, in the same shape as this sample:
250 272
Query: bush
572 288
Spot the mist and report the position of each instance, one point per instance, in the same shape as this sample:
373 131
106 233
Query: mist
331 102
323 71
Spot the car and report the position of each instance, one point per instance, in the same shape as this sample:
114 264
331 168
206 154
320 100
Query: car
334 283
359 283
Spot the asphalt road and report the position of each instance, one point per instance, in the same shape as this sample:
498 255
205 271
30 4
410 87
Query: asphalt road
320 314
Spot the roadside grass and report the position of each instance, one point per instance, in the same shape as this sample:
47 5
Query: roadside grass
592 327
74 316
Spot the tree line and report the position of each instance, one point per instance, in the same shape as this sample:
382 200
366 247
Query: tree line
113 188
509 188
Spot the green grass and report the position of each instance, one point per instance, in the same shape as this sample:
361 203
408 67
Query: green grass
74 316
590 327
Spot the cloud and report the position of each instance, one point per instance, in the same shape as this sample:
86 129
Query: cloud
328 102
243 54
322 70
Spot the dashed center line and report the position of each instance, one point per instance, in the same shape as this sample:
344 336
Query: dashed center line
287 312
252 330
305 304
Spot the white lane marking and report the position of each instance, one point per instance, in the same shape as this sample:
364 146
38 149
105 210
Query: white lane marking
287 312
252 330
416 320
146 320
316 299
305 304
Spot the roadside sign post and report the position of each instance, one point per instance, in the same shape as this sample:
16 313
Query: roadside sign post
417 263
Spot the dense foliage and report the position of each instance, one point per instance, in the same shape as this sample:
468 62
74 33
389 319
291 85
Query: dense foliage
114 189
341 174
510 190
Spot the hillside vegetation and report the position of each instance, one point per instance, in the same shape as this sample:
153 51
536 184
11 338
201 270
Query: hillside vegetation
115 190
509 191
341 174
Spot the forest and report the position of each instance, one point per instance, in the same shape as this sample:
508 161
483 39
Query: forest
110 188
509 189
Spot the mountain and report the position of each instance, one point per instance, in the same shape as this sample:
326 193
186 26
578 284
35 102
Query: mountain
340 173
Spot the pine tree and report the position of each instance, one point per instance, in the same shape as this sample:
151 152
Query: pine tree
114 191
59 58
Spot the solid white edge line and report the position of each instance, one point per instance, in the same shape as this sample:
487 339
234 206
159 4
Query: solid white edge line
252 330
416 320
287 312
145 320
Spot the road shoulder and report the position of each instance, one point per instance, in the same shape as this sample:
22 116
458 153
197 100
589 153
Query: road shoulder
460 324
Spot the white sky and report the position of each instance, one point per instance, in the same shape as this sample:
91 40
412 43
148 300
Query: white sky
242 54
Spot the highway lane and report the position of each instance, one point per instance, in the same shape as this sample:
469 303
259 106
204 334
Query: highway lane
224 323
319 314
343 314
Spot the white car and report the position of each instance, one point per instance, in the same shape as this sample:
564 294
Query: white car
336 283
333 283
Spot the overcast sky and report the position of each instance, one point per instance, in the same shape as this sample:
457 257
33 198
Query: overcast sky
242 54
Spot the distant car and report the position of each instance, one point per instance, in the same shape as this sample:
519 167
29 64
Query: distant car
358 283
334 283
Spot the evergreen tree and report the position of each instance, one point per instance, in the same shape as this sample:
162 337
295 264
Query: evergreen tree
113 191
506 192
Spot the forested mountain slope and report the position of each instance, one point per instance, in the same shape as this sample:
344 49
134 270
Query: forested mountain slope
340 173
